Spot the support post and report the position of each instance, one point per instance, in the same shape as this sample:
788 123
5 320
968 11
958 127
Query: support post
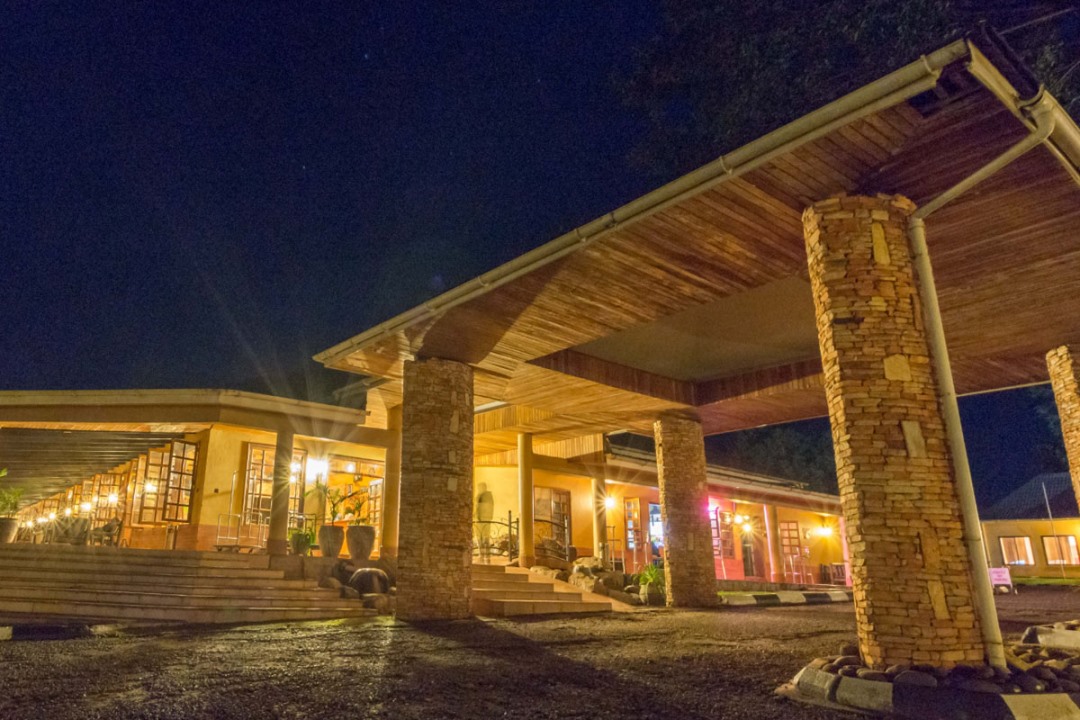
599 497
527 547
277 541
392 487
689 570
1065 379
913 577
772 538
435 526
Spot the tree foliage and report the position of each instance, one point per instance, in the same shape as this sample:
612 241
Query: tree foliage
801 452
723 72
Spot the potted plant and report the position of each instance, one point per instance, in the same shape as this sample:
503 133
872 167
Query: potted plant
331 537
9 504
359 535
651 580
301 541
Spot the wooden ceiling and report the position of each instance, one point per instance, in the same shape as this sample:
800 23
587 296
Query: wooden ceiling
1006 258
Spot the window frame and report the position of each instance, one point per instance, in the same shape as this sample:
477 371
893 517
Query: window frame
1027 544
1073 553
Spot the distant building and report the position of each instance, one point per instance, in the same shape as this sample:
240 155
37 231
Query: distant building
1021 535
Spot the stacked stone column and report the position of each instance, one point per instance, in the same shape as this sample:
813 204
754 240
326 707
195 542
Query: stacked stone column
911 573
1065 379
277 541
435 525
690 573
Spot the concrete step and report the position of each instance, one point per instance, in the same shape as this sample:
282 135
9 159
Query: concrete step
104 566
504 585
119 611
124 579
276 588
511 608
295 599
540 594
134 556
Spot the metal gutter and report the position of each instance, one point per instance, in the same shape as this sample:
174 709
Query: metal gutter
888 91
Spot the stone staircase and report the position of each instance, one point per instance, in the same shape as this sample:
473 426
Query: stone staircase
500 591
109 584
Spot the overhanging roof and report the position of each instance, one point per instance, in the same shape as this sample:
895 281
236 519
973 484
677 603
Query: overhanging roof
695 296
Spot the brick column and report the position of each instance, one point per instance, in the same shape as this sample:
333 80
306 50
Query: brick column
1065 379
684 506
435 527
391 487
911 572
277 541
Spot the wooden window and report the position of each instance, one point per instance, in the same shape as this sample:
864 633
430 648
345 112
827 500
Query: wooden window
136 475
259 487
790 540
375 504
155 476
110 496
180 482
1060 550
723 534
633 524
551 515
1017 550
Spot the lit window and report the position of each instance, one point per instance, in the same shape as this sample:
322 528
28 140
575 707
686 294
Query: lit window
1017 551
1060 550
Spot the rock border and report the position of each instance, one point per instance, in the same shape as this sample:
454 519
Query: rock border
819 687
788 597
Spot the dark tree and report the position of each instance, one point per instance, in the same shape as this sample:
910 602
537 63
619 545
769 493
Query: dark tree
722 73
800 451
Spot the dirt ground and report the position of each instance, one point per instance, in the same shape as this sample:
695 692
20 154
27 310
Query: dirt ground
655 664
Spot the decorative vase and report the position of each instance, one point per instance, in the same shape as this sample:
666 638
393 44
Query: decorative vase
9 528
331 538
360 540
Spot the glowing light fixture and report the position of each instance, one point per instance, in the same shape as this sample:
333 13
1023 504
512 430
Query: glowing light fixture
42 521
86 507
350 467
150 487
295 467
317 468
113 498
740 519
609 502
67 512
747 527
52 516
825 531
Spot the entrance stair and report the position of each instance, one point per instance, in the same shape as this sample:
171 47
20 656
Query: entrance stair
501 591
103 584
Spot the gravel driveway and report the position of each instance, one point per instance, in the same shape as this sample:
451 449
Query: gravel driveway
655 664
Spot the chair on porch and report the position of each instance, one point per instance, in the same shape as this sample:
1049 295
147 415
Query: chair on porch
108 534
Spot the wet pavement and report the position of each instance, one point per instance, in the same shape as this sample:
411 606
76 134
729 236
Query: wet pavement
657 664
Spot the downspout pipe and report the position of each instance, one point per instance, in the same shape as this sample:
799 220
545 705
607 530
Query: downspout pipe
985 608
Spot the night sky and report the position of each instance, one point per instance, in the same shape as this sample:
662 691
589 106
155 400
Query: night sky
206 194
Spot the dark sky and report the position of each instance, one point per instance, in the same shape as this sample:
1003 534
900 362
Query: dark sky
206 194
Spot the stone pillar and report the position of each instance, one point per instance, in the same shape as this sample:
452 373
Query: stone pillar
392 487
772 539
846 551
1065 379
911 572
690 572
277 541
526 545
599 527
435 526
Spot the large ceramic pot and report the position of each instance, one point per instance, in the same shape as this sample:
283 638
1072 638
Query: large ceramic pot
361 541
331 538
9 528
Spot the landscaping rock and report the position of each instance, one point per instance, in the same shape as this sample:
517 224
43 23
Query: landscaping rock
916 677
848 670
591 563
894 670
377 601
349 593
848 660
330 583
613 580
978 685
624 597
869 674
1029 683
588 583
369 580
849 648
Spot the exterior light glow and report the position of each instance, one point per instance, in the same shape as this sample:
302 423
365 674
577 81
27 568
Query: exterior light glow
825 531
67 512
350 467
85 507
52 516
609 502
41 521
295 467
747 527
150 487
740 519
317 468
113 498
